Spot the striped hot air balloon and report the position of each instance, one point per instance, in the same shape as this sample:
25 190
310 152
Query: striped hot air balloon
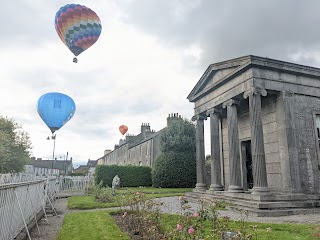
78 27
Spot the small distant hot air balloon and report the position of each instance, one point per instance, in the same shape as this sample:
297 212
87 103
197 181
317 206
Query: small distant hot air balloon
123 129
55 109
78 27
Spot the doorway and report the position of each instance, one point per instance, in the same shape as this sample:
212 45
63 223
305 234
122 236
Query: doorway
247 160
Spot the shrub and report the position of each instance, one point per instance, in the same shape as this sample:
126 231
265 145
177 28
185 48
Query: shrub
174 170
175 167
130 176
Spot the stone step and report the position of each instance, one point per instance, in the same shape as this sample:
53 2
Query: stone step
256 204
277 212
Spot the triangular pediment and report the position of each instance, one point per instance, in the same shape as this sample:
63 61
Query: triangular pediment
214 77
215 73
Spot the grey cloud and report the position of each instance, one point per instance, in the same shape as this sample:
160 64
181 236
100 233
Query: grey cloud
144 104
26 22
226 29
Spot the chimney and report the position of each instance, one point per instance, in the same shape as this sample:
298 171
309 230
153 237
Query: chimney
172 117
121 142
145 127
129 137
107 151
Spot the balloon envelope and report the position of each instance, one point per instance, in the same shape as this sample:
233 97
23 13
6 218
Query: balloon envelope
78 27
123 129
55 109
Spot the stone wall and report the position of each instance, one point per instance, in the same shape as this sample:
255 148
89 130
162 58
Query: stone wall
271 142
305 108
140 155
269 121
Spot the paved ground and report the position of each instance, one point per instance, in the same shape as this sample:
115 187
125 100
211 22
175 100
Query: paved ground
170 205
173 205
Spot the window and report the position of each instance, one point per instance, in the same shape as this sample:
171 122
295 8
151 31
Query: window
318 128
147 151
317 133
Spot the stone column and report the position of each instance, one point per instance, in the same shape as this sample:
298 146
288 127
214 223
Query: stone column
260 183
200 155
234 154
214 115
288 145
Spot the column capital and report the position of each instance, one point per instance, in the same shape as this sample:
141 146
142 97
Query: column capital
287 94
214 110
231 102
254 90
201 116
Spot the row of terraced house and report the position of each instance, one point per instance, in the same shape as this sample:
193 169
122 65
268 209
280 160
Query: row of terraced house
140 150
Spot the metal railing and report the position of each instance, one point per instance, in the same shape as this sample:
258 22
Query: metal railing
71 186
23 197
17 178
19 204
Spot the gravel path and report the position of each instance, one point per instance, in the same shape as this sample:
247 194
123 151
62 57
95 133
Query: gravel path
170 205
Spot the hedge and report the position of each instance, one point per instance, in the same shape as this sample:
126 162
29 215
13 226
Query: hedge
174 170
130 176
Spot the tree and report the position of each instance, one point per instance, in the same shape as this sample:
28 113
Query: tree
15 146
176 165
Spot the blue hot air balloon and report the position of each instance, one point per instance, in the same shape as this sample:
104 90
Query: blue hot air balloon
55 109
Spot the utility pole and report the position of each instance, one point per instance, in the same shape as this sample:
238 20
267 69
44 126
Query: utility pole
65 165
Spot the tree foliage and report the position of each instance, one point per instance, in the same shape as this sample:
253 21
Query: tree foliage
15 146
176 165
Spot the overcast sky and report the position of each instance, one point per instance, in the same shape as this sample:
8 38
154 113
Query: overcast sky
148 58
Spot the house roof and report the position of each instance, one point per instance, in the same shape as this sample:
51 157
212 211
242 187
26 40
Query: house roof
92 163
55 164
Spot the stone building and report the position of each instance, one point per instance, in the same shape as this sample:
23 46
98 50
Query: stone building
139 150
264 125
42 167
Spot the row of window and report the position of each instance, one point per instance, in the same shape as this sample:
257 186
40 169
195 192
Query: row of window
135 152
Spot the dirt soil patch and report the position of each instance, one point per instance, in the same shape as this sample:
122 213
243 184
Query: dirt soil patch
137 227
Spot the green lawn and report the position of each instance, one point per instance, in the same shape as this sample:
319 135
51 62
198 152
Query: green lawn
90 225
278 231
100 225
88 202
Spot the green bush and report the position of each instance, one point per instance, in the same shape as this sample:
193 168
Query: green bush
174 170
130 176
175 167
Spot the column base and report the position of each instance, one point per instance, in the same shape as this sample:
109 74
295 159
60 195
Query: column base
235 189
216 187
201 187
260 191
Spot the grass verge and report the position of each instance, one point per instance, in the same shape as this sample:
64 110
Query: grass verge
90 225
89 202
100 225
261 231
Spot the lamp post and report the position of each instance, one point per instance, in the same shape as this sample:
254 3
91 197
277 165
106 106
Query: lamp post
65 164
53 137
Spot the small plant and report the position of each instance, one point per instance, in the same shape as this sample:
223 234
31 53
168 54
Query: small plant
143 216
316 233
103 194
195 224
